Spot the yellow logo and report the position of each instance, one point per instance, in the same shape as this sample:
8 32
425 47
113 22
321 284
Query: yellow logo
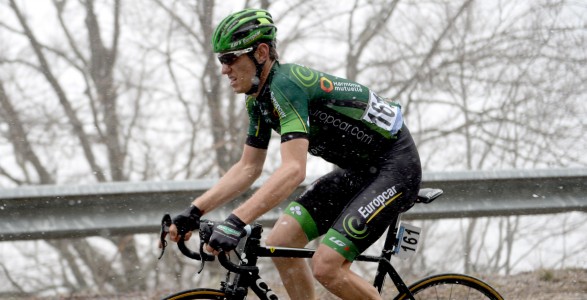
271 249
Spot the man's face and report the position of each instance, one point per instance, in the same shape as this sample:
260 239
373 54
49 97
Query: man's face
241 74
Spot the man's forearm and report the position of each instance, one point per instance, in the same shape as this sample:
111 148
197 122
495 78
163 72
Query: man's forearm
236 181
277 188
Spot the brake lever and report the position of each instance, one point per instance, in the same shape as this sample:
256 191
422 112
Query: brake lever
204 257
165 224
205 233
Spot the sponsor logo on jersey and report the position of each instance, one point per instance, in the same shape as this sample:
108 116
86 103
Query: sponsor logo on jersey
337 241
277 107
353 130
304 75
326 85
296 210
370 210
340 86
353 227
317 150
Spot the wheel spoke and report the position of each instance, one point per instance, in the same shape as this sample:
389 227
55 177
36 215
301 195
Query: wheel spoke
452 286
450 291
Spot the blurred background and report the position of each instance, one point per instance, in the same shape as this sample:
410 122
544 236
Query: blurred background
98 91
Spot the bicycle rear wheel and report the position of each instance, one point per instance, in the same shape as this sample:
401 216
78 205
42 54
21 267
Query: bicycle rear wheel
198 294
451 286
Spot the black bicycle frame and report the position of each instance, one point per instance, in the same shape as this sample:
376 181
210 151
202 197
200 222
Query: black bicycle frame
253 250
247 272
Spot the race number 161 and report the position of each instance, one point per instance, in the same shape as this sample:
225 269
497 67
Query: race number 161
408 237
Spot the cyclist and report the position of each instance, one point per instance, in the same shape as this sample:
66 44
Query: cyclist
342 121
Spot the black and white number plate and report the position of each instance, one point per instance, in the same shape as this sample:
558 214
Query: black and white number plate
408 238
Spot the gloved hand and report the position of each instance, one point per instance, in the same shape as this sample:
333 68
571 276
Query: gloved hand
188 220
227 234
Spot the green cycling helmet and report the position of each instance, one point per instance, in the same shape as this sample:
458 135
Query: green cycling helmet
243 29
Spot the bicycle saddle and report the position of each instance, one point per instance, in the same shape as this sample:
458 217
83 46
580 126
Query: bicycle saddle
428 195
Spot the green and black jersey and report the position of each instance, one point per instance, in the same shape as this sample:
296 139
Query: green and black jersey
345 122
349 125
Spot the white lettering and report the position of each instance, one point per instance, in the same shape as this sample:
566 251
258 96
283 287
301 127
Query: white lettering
246 40
377 202
337 241
344 126
277 107
363 213
347 87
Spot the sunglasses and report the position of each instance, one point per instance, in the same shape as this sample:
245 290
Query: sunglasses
228 58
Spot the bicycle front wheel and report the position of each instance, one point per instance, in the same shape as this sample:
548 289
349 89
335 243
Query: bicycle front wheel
451 286
198 294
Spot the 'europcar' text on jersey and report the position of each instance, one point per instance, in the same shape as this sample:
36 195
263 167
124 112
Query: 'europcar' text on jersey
345 122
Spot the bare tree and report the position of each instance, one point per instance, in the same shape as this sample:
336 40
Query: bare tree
120 92
95 65
358 45
468 73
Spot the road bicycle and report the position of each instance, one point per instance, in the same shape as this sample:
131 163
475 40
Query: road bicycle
401 240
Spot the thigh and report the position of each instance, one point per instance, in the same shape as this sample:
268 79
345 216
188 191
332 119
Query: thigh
286 233
371 210
322 202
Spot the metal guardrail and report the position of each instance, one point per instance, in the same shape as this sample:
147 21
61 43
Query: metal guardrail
47 212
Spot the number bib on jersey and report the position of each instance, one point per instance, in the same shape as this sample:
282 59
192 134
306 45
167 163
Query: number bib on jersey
382 114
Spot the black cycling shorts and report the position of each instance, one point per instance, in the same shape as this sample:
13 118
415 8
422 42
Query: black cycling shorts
353 207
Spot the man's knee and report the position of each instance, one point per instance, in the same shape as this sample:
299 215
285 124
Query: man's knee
275 239
327 265
323 272
287 232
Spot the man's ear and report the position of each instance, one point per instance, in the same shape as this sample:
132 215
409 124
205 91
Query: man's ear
262 53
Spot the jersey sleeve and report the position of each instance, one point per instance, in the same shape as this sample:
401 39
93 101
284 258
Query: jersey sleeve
291 103
259 133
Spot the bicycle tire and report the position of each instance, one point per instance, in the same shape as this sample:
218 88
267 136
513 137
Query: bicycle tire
197 294
451 286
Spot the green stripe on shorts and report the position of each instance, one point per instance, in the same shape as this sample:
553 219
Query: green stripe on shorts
340 244
300 213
